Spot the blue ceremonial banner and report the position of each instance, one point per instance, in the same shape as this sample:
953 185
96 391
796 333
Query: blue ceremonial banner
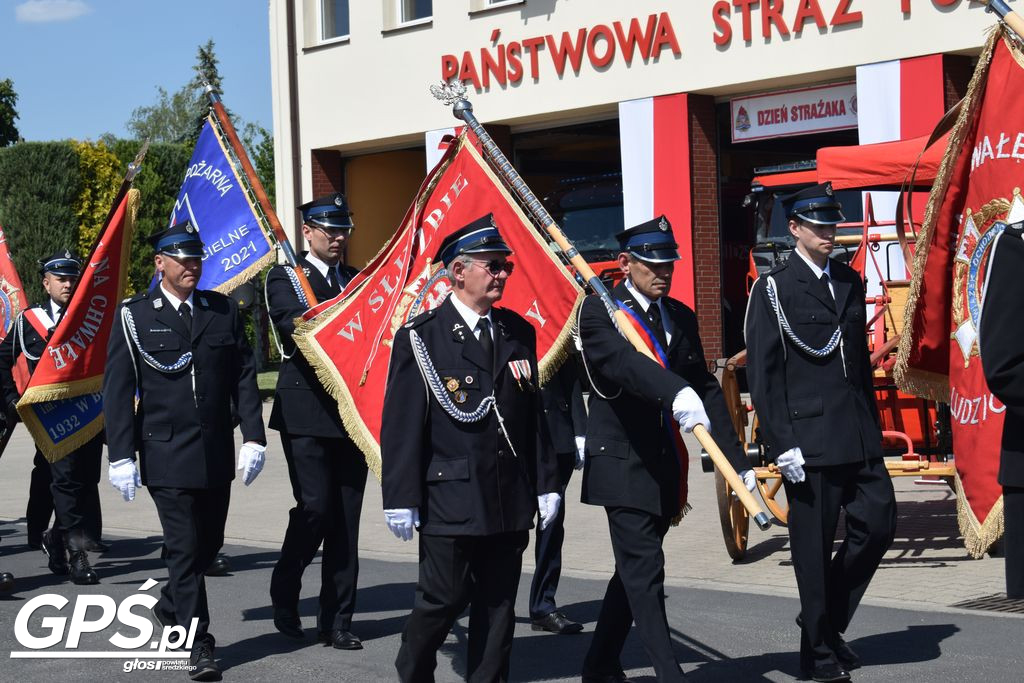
214 198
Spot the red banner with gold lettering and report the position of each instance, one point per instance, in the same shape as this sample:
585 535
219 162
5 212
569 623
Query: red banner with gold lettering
348 339
978 185
62 406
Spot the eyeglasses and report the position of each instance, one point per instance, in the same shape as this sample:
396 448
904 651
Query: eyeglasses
496 267
333 233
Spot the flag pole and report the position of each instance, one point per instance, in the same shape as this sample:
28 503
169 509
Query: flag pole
257 189
1006 15
455 94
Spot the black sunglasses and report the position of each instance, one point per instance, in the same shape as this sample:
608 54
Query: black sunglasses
495 267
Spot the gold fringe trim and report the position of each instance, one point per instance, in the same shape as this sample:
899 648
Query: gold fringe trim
978 537
901 369
249 273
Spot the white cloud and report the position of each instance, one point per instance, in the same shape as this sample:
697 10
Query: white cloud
39 11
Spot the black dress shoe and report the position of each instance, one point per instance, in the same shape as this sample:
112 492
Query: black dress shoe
340 640
204 665
96 546
827 673
6 582
606 678
287 621
221 566
556 622
845 654
56 553
81 572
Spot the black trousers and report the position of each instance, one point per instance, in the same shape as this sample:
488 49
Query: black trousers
328 478
453 571
635 593
40 498
1013 540
193 525
831 586
548 549
76 493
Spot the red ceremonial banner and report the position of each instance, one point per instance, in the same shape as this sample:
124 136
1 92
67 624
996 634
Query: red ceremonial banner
12 303
62 405
978 184
348 339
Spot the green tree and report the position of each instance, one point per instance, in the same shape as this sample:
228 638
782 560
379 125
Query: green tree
8 101
169 120
260 144
206 70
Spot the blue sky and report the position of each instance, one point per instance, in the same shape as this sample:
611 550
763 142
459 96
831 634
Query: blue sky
81 66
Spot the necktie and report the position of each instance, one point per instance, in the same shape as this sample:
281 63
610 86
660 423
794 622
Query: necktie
485 338
186 316
332 279
657 324
828 290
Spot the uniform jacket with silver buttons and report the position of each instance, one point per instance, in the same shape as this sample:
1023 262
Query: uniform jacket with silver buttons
465 478
182 428
1001 340
630 458
10 349
826 406
301 403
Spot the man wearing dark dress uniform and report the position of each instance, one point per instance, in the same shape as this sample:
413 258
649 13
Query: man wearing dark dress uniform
69 486
1001 339
465 457
811 383
327 470
633 460
184 354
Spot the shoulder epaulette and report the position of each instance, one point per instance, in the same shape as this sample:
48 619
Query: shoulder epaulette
138 296
420 319
1015 229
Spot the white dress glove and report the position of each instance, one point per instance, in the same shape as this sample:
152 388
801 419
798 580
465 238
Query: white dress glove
547 505
749 479
581 452
124 475
791 464
688 410
401 521
251 457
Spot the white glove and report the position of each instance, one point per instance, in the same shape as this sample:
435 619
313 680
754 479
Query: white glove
581 453
688 410
124 475
749 479
547 505
791 464
251 457
401 521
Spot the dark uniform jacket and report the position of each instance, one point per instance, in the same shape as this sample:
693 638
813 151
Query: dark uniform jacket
183 426
1001 339
464 477
301 403
806 401
630 457
11 348
564 410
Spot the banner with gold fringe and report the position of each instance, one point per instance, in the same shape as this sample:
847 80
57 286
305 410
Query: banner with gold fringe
62 406
348 339
978 185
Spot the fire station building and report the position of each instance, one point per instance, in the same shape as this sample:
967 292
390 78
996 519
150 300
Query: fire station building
613 112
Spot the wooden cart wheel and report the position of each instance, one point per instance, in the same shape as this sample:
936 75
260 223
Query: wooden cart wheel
733 517
769 488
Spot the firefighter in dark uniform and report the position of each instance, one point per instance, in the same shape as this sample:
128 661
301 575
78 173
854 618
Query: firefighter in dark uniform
811 383
327 470
70 486
566 416
633 465
466 459
1000 340
184 352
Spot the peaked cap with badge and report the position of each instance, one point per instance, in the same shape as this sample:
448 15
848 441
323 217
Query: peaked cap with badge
817 204
477 237
61 262
329 211
650 241
180 240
